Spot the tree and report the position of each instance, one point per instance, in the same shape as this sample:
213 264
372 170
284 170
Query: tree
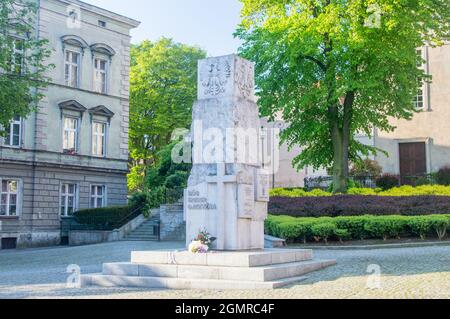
22 56
165 181
163 90
333 68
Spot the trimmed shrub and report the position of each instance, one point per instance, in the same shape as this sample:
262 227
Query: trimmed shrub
359 227
272 224
443 176
420 226
387 181
357 205
386 226
440 225
291 231
424 190
436 190
297 192
342 234
323 231
354 225
108 218
364 191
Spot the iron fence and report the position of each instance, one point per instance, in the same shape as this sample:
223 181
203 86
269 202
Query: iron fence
325 182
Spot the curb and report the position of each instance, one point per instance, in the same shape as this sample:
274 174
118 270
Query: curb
372 247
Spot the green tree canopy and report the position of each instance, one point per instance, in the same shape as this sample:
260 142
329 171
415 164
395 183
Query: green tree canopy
165 180
163 90
333 68
22 56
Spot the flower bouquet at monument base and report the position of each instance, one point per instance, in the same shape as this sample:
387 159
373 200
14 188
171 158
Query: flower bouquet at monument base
202 243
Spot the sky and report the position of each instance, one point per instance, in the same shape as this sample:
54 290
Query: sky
209 24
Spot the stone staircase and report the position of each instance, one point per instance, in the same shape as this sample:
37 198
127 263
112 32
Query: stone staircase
148 231
268 269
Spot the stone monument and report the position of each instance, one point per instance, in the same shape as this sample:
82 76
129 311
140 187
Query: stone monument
227 196
228 189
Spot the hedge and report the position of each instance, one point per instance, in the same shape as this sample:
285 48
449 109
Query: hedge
357 227
425 190
107 218
356 205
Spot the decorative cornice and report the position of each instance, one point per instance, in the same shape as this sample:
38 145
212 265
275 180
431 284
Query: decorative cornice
116 97
103 49
74 40
101 110
66 166
72 105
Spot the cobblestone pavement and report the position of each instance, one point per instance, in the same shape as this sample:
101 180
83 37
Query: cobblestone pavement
405 273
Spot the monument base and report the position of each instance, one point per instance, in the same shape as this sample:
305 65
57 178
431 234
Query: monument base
268 269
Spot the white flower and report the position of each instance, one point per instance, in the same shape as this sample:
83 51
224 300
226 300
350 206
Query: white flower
197 247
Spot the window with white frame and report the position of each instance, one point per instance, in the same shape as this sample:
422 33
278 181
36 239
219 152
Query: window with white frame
72 69
100 75
9 197
17 55
70 134
98 196
14 132
98 139
419 99
68 199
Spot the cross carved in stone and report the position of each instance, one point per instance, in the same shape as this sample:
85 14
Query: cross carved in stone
221 179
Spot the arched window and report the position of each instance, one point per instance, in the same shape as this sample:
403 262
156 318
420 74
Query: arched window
73 49
101 57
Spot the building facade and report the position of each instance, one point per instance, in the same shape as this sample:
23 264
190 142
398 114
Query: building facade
416 147
72 153
422 145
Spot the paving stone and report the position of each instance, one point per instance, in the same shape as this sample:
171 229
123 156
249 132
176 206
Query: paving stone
422 272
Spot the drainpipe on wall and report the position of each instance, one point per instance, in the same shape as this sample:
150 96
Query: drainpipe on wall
33 178
427 59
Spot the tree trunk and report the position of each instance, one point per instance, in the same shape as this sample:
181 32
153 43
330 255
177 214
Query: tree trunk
340 162
341 144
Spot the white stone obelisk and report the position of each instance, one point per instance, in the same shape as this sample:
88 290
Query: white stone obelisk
227 193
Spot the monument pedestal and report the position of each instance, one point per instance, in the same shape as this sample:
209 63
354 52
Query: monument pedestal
268 269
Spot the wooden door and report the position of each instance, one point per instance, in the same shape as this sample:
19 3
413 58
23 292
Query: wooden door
413 161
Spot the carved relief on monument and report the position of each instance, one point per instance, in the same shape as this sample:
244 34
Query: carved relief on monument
214 76
245 177
262 186
246 201
244 79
